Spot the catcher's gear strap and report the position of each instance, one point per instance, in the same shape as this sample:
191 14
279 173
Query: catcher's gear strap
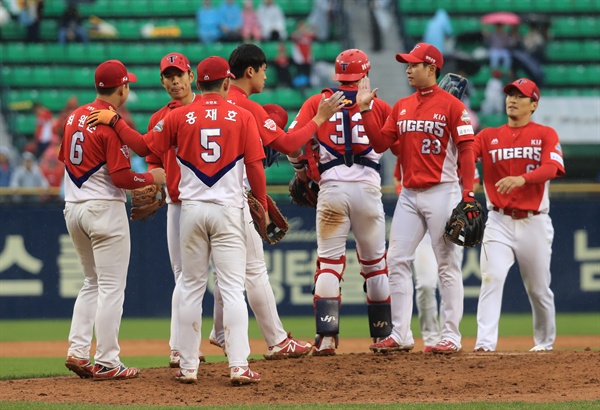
380 319
327 315
331 266
373 268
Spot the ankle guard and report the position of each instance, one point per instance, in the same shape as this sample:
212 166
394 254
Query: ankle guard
380 319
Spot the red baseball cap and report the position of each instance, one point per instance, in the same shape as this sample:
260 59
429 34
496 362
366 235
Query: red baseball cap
526 87
176 60
112 73
277 114
422 53
213 68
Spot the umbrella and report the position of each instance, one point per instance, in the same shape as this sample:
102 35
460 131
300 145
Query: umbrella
501 17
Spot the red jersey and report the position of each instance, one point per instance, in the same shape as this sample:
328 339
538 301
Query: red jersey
427 125
212 139
512 151
345 131
168 161
90 156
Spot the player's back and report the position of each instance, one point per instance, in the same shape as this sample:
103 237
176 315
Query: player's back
213 138
90 156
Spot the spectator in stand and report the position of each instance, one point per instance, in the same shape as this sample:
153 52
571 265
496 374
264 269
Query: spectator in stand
282 65
302 55
231 21
320 19
28 175
251 25
208 20
272 21
499 42
70 106
30 17
6 168
44 122
439 31
71 27
494 100
51 167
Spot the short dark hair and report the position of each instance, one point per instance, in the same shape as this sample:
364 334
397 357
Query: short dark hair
244 56
106 91
210 85
438 72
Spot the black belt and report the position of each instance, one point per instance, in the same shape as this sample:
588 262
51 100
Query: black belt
515 213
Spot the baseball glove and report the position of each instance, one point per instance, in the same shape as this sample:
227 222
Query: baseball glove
276 229
455 84
304 193
466 224
145 201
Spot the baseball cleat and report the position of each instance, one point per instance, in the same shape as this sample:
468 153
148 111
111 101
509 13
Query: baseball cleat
289 348
174 358
187 376
427 349
389 345
325 345
119 372
445 347
539 348
243 375
82 367
481 350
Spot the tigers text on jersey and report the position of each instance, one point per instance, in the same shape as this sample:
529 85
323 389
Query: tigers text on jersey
512 151
429 125
90 156
332 136
213 140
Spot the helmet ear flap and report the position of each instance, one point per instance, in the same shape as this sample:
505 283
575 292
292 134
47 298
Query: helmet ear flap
351 65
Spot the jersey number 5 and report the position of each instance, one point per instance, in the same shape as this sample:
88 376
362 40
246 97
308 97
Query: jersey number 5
431 146
213 150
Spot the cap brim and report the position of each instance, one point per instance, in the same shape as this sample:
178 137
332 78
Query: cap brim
132 77
509 87
407 58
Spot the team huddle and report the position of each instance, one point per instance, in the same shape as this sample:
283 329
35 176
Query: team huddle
210 149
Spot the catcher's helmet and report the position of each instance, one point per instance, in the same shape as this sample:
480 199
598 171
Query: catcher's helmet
351 65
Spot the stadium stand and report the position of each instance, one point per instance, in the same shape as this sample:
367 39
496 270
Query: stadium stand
49 73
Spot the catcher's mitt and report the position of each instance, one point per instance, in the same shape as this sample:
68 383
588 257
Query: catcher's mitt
276 229
145 201
304 193
455 84
466 224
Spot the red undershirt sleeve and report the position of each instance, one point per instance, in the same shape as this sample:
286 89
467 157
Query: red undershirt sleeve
258 182
467 165
291 141
132 139
127 179
540 175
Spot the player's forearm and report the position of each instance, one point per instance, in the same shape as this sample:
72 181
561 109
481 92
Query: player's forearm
127 179
258 182
132 139
294 140
541 174
467 165
379 141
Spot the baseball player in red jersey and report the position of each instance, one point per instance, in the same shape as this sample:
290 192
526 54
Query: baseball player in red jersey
177 78
248 63
349 197
97 173
434 133
519 159
216 142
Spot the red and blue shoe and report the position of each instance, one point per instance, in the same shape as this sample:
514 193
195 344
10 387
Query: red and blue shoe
81 367
119 372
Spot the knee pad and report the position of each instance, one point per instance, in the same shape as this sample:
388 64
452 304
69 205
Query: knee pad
380 319
376 284
327 316
328 276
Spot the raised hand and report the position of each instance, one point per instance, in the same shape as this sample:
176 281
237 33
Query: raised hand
365 95
329 106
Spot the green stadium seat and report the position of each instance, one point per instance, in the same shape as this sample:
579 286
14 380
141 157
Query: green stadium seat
54 8
15 53
147 100
141 121
188 28
23 123
49 29
12 30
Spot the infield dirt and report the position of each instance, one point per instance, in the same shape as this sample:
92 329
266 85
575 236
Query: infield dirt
570 373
